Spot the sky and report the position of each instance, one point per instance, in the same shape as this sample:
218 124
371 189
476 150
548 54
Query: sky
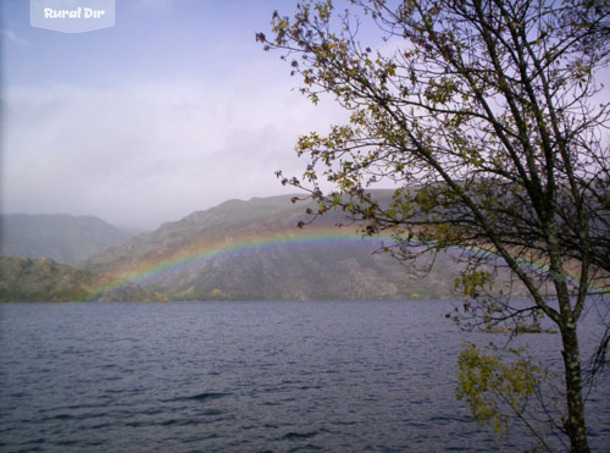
175 109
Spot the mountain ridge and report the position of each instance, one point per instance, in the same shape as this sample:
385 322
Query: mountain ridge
64 238
190 259
241 250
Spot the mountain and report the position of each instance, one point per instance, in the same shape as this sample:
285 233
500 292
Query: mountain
64 238
239 250
252 250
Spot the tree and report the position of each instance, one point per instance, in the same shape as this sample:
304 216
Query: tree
482 117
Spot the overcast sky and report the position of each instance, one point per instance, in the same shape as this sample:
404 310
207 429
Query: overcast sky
174 109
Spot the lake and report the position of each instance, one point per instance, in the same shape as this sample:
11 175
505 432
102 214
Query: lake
245 377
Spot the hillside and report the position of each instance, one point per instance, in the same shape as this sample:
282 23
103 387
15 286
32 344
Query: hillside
64 238
44 280
239 250
26 279
252 250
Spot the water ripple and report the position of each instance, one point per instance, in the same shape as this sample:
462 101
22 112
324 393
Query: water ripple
192 377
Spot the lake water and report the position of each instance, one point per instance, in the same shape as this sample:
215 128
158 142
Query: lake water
243 377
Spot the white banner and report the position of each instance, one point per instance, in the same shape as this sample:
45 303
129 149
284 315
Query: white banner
72 16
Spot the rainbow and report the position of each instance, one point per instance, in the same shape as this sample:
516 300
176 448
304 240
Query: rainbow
155 267
196 253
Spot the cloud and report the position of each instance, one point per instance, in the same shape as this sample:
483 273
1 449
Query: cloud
145 153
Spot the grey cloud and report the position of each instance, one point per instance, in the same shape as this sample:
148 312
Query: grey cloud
147 153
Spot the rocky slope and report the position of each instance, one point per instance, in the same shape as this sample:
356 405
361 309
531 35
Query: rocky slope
252 250
239 250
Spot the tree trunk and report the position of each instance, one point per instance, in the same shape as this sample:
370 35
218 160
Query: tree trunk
575 424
